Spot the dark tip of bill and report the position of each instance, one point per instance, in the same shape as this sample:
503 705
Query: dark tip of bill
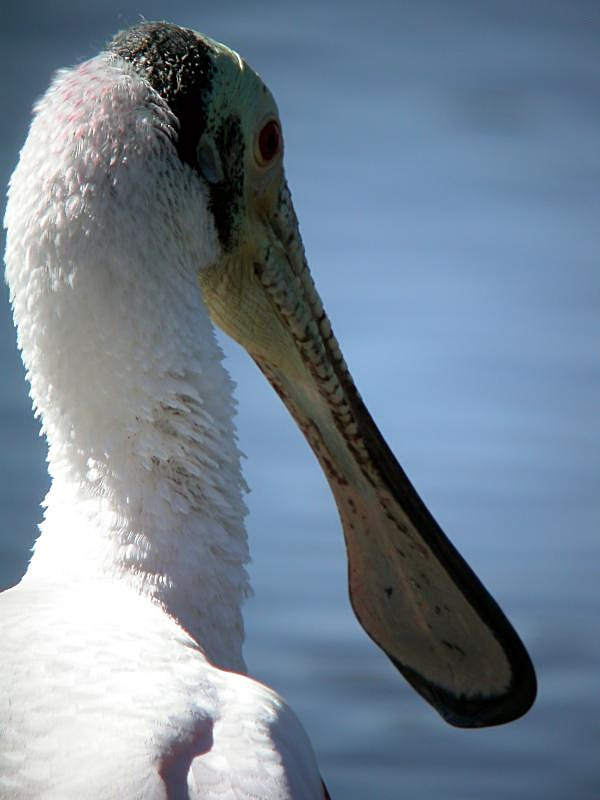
478 711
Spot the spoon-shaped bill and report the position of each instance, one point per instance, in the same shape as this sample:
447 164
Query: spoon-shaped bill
410 589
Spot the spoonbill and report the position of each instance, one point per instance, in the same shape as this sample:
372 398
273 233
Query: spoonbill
148 204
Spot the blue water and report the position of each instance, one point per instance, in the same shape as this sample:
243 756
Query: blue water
445 165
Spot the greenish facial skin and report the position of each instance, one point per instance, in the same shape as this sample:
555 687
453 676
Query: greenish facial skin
410 589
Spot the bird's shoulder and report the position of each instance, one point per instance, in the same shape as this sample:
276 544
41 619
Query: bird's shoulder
121 703
259 748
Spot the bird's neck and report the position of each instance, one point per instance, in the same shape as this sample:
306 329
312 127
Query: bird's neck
125 371
146 481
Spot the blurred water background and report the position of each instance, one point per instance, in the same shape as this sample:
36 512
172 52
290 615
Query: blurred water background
444 159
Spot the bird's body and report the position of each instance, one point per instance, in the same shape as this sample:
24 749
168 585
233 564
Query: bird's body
117 701
150 169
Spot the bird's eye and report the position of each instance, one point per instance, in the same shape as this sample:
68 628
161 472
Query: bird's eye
268 142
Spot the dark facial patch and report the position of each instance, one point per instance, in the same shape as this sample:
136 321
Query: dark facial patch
179 66
227 195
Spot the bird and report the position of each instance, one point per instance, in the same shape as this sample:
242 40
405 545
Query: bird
148 206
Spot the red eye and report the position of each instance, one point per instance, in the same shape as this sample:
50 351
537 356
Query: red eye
269 140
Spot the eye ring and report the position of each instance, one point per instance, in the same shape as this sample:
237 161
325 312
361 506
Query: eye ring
268 143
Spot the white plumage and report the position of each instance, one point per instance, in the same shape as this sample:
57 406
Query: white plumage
111 699
143 545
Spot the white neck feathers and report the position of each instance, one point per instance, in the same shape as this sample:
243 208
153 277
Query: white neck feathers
106 232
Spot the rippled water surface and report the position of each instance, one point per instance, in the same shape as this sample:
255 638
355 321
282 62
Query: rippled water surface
445 165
